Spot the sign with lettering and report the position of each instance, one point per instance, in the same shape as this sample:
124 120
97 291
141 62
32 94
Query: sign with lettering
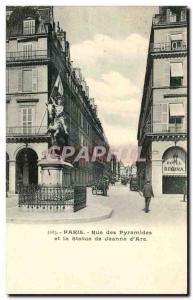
174 162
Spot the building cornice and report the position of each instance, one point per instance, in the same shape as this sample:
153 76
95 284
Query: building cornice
167 136
169 25
167 54
26 139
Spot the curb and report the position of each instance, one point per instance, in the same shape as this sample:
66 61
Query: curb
92 213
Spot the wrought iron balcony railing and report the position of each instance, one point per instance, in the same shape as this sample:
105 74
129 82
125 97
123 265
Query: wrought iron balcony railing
26 55
172 46
26 131
159 20
171 128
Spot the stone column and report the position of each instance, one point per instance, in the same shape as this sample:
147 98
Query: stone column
157 177
12 171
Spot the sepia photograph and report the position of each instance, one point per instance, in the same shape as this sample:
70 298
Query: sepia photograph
97 150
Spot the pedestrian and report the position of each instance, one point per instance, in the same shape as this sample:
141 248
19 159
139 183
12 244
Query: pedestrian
147 194
185 190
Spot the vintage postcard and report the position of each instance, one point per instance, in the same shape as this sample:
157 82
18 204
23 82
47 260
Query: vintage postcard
96 150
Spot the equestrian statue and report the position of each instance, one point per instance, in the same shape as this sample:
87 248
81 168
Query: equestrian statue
57 122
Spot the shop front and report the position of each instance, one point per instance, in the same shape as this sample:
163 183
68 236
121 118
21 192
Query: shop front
174 171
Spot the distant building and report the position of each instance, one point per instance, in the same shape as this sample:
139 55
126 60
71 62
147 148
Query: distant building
124 170
115 167
36 53
133 170
162 129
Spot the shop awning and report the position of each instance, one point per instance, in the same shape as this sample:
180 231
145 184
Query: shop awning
176 37
177 70
177 110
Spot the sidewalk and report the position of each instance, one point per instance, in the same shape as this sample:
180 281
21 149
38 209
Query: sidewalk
91 213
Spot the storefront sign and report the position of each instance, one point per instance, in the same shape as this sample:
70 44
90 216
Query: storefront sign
174 163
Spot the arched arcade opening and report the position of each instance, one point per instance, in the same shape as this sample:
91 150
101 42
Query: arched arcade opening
174 170
26 167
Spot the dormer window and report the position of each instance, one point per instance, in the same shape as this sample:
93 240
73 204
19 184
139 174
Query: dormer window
29 26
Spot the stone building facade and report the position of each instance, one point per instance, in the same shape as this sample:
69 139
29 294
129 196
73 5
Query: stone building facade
36 53
162 130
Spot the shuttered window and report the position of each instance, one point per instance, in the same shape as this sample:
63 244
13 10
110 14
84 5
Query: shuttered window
157 113
19 80
27 50
27 119
27 80
34 80
160 117
165 116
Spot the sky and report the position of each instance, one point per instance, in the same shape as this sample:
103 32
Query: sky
110 45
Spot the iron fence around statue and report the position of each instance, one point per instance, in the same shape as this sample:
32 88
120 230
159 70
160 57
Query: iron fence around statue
79 197
51 197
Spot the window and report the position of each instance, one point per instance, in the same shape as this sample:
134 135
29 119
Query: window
176 41
176 116
27 50
183 15
176 124
176 75
175 45
175 81
27 81
175 120
29 27
160 117
172 17
27 120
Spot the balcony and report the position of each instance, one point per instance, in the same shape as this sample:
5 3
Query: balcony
164 132
33 132
160 20
172 128
26 56
168 47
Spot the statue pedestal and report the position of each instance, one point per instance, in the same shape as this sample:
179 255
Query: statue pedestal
55 171
56 192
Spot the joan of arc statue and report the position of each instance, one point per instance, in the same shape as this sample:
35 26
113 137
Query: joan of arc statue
57 126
